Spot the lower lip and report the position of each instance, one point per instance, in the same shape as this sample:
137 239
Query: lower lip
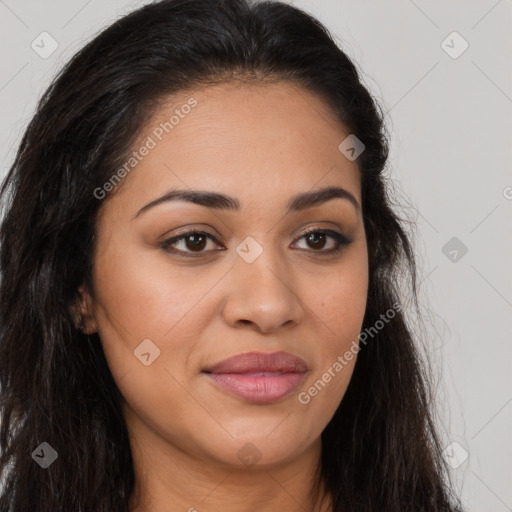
260 388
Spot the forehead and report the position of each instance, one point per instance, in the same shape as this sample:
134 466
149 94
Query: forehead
261 142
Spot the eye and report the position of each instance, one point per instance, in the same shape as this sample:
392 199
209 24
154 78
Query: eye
317 239
189 242
193 242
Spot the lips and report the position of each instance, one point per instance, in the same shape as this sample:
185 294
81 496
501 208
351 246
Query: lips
258 377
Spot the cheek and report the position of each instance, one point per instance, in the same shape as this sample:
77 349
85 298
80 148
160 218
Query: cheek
146 293
341 296
139 298
339 301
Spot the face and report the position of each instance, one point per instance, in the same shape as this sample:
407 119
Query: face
222 318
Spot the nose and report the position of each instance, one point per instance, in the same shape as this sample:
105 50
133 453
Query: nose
261 296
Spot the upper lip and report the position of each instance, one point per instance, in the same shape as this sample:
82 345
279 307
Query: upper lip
260 362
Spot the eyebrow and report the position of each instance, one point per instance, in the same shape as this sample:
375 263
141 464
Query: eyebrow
223 202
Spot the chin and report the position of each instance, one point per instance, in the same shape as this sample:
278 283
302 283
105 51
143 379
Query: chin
257 447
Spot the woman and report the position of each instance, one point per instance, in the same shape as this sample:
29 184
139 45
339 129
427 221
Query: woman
199 300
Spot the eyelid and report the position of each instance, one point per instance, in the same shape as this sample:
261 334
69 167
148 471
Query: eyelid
183 233
340 238
327 231
188 230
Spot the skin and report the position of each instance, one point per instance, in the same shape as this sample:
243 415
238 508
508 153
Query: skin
261 144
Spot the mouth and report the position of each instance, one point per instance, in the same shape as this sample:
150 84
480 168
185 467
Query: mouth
258 377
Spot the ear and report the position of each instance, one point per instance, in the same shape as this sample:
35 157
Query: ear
82 312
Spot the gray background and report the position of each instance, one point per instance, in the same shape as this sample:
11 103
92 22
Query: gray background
450 162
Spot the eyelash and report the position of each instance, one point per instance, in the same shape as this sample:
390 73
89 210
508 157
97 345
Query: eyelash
340 239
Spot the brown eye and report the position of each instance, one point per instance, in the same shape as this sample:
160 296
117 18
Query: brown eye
195 242
317 240
189 242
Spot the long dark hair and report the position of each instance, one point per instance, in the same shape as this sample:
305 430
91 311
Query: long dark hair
380 450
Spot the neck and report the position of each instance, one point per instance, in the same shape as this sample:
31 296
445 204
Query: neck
166 475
